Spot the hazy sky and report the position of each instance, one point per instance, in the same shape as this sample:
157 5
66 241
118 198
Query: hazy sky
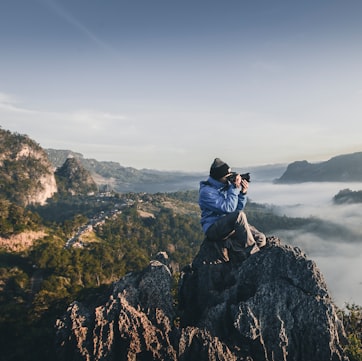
172 84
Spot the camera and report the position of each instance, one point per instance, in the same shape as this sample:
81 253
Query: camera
231 178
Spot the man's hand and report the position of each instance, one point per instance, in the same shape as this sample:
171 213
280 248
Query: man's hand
244 185
241 183
237 181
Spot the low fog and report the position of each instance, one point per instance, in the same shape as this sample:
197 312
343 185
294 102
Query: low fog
337 246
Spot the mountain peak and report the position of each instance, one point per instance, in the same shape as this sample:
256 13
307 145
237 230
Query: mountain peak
74 179
273 306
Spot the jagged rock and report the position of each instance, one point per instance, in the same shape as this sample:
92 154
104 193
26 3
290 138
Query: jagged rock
74 179
135 322
197 344
274 306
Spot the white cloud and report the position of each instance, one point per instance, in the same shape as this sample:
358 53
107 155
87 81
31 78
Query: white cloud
9 103
96 121
338 256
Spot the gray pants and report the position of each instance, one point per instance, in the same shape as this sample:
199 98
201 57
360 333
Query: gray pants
236 232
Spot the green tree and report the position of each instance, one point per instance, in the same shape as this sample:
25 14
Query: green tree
352 322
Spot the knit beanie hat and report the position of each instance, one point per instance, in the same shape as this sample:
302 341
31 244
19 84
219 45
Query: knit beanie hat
219 169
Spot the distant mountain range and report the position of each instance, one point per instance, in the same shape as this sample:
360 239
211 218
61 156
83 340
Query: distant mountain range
113 176
342 168
127 179
31 170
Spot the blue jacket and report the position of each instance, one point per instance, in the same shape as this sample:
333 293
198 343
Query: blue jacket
217 199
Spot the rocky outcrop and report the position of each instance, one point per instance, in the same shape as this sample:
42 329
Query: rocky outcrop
26 175
134 323
273 306
74 179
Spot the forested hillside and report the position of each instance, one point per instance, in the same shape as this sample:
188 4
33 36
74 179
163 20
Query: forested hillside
111 235
121 234
82 241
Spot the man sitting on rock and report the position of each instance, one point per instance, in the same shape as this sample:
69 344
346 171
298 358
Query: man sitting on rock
222 217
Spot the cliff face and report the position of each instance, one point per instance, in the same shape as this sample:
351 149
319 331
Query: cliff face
26 175
274 306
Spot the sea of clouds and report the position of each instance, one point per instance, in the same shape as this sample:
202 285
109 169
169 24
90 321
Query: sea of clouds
338 254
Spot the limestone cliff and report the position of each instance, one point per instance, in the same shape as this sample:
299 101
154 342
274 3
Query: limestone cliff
26 175
274 306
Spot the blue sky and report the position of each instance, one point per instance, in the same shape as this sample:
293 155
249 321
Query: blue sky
171 85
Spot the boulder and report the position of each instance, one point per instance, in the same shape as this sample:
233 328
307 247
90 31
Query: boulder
273 306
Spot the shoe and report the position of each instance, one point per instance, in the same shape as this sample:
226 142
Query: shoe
259 237
252 249
260 241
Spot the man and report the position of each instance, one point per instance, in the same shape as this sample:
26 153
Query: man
222 217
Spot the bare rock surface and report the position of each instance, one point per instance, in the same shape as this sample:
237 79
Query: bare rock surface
273 306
